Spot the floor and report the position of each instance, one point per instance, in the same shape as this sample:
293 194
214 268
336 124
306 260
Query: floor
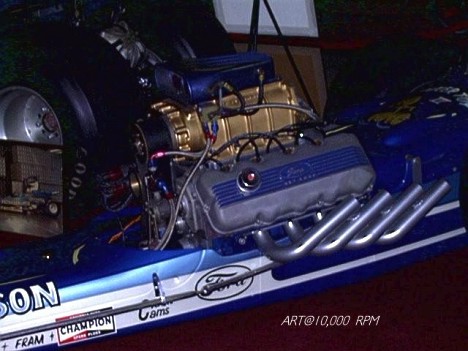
30 224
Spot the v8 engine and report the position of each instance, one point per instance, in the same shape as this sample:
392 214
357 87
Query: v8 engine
231 150
254 194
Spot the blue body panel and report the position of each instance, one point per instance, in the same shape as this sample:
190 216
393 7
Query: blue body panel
431 124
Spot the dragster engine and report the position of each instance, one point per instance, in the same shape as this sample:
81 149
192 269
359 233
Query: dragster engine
231 150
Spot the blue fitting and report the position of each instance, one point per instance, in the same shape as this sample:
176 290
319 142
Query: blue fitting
152 165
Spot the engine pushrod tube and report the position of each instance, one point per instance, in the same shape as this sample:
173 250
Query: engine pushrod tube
312 237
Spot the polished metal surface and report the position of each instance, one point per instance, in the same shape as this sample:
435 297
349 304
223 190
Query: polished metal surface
186 122
26 116
311 238
382 220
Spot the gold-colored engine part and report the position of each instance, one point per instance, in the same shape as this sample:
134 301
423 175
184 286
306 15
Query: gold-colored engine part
186 123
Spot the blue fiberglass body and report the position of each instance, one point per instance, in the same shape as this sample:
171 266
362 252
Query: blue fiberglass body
80 287
307 231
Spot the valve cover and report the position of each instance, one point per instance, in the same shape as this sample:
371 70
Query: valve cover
282 186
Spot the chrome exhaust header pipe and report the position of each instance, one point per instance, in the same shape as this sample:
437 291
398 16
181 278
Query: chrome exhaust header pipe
351 226
294 231
301 247
375 229
356 223
417 211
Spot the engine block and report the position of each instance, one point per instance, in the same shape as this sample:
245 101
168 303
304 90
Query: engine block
281 186
243 156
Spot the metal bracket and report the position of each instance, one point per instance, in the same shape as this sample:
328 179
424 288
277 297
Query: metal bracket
158 291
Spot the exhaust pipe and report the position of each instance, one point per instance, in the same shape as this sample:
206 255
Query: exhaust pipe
302 246
349 226
417 211
294 231
354 225
375 229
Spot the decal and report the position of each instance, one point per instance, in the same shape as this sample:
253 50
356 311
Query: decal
401 111
440 100
444 90
86 328
36 297
456 95
153 312
295 171
28 341
220 275
440 115
462 99
79 171
76 254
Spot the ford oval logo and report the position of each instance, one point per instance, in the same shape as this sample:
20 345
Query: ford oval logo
295 171
223 274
